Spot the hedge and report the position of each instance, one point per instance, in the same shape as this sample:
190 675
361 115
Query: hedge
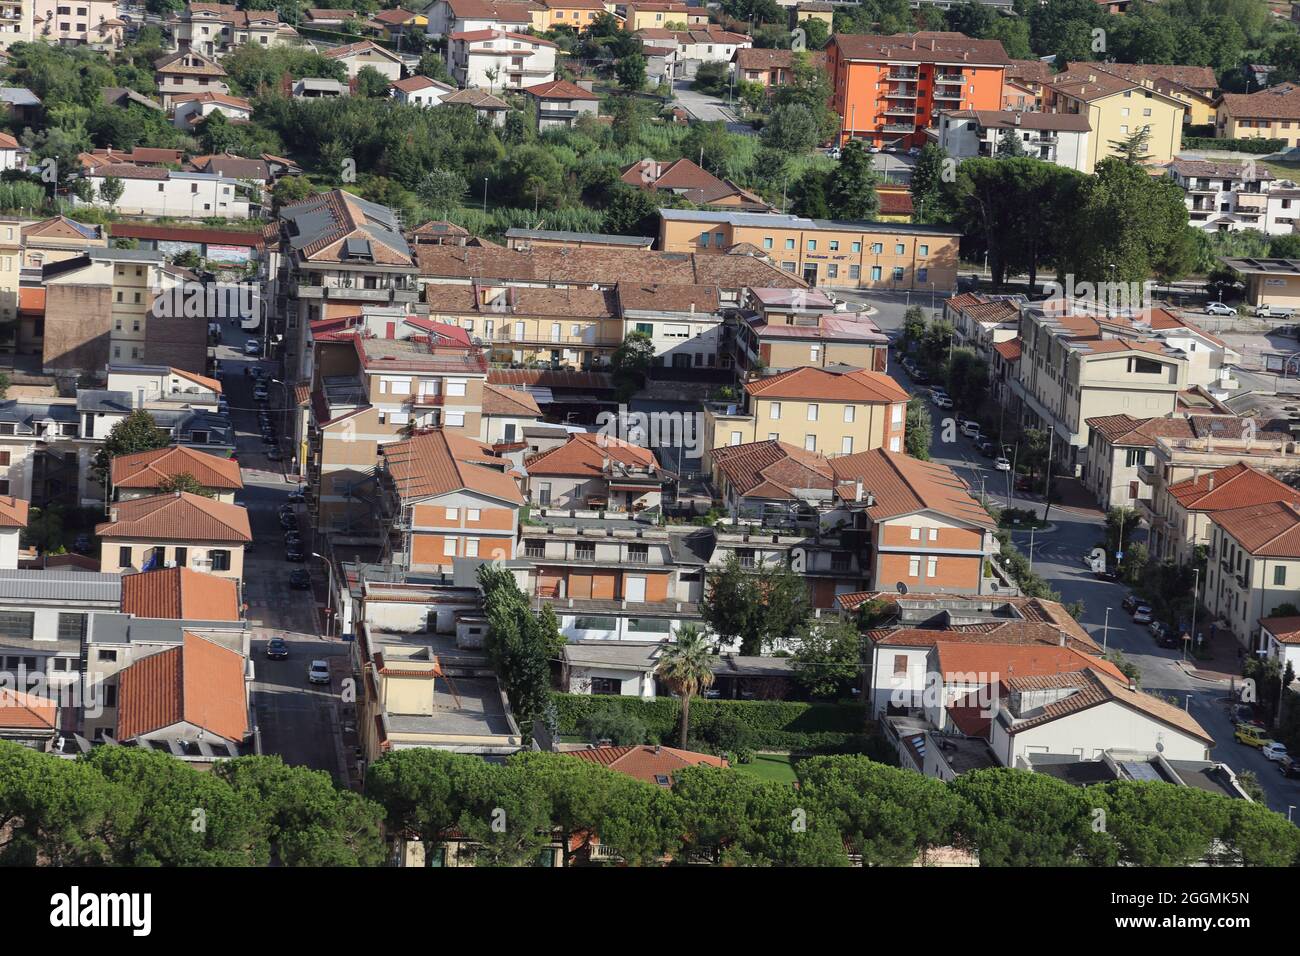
1259 146
770 724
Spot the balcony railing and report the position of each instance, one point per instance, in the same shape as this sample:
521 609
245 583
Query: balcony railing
901 95
903 75
508 337
949 78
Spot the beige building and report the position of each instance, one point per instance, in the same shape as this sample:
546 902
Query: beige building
1273 113
16 22
1116 109
92 23
890 256
831 412
367 392
180 530
1269 281
1253 566
216 28
776 330
143 473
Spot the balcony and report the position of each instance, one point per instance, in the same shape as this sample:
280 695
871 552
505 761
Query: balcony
950 78
401 289
947 94
901 94
1148 474
899 128
592 339
903 75
899 111
1251 202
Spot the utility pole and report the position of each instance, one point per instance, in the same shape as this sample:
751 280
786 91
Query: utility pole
1191 635
1031 548
1105 631
1047 466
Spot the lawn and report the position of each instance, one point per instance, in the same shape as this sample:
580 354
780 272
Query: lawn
1282 169
778 768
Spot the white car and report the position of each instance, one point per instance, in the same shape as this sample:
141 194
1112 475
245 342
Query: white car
318 672
941 401
1218 308
969 428
1142 615
1002 465
1273 750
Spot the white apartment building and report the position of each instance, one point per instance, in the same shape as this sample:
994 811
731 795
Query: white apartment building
92 23
1058 138
152 191
494 59
16 22
1228 197
458 16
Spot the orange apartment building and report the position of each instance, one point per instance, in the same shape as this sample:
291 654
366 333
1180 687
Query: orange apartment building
447 496
889 89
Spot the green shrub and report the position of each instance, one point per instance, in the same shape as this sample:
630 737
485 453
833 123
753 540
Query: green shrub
1257 146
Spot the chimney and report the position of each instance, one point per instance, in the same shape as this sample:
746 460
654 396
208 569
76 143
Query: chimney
112 515
857 491
1132 686
1211 484
1061 634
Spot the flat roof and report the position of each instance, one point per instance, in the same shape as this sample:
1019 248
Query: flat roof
1264 266
559 235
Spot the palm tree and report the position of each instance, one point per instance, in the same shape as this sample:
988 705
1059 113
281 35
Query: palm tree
687 668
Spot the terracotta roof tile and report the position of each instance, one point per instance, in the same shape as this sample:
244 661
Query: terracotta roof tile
177 517
646 762
1270 529
583 456
991 663
904 485
13 512
23 711
198 682
439 462
1009 350
180 594
922 47
148 469
500 400
1234 486
815 384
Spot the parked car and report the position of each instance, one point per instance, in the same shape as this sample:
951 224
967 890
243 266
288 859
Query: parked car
920 377
277 649
300 579
1244 714
1288 766
294 552
941 401
1219 308
318 672
1142 615
292 539
1003 465
985 448
968 427
252 347
1131 602
1274 751
288 521
1251 736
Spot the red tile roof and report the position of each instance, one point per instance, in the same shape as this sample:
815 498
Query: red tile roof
990 663
1234 486
13 512
180 594
922 47
1009 350
198 682
1285 629
904 485
148 469
23 711
772 469
177 517
560 90
513 402
439 462
646 762
858 386
583 454
1271 529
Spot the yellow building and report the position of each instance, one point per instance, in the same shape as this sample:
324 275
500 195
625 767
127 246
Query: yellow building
858 255
1117 108
1269 114
1193 86
643 16
578 15
833 413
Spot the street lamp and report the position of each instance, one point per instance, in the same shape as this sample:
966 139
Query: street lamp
485 179
329 594
1196 587
1105 631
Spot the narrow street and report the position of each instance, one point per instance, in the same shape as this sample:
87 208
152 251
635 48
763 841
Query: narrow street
298 720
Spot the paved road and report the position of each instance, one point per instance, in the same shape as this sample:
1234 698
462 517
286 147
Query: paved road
708 108
1058 557
297 720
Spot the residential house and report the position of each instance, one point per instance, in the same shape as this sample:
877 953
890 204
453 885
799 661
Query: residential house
366 53
1023 83
14 513
638 16
484 104
447 496
16 23
684 322
647 762
1194 86
595 472
420 91
19 104
1057 138
981 321
1116 110
190 111
1279 638
122 97
192 694
217 28
177 529
560 103
523 239
505 414
856 255
577 15
28 720
143 473
615 668
315 88
1273 113
1228 197
1252 566
186 73
460 16
499 59
684 178
688 49
181 594
767 67
90 23
776 330
392 25
888 90
150 191
831 411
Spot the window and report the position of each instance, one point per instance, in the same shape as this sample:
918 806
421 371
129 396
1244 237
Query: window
124 557
1279 574
846 445
17 624
789 243
767 242
585 551
456 387
812 245
934 534
922 275
72 627
107 655
875 273
611 686
922 250
900 665
896 416
544 493
855 272
472 514
788 266
832 271
220 560
471 547
449 547
877 248
809 442
736 438
931 566
638 553
913 567
774 411
856 247
453 514
812 413
895 444
849 413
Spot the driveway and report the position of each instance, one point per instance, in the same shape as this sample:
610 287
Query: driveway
708 108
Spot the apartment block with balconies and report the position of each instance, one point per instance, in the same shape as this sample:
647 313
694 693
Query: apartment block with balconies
1253 566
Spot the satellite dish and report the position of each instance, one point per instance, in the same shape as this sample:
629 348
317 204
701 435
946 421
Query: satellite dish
902 588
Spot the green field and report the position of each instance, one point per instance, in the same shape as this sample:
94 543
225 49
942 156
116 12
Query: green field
778 768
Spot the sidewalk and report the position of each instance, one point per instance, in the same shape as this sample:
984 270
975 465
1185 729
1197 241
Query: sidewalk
1224 664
